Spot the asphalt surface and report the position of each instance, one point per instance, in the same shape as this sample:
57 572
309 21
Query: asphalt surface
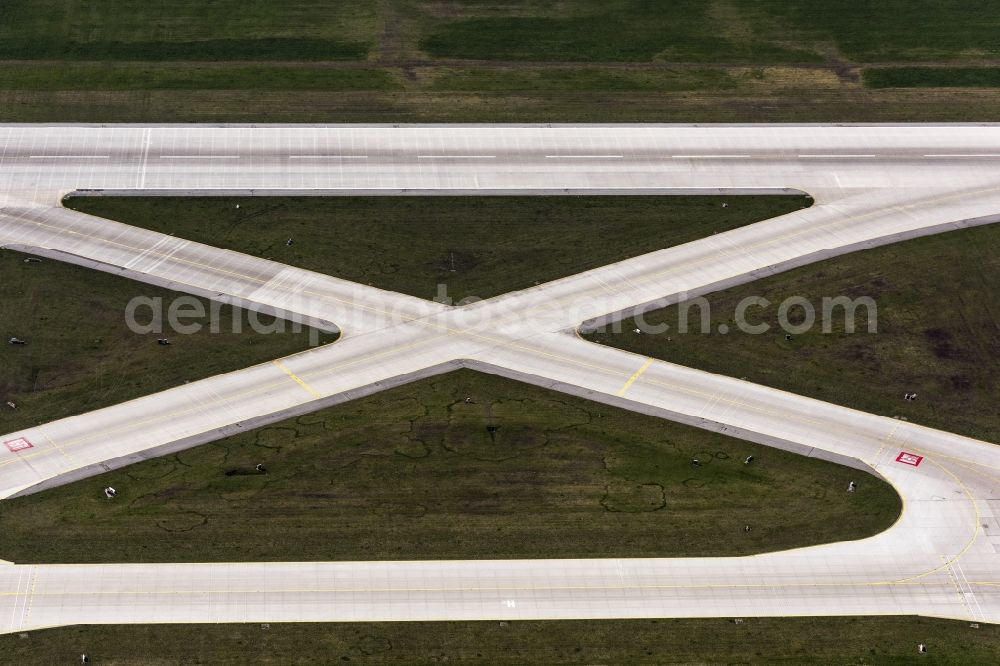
872 184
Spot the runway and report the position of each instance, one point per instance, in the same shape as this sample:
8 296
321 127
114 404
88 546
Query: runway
872 185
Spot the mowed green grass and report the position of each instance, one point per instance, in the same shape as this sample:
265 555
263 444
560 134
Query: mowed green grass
575 79
938 333
122 30
774 102
891 30
419 472
476 247
81 355
888 641
189 76
727 31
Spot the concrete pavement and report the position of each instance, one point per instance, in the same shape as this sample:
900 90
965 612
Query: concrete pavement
872 185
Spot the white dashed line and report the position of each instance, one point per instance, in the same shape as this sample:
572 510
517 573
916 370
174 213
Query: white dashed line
327 157
710 157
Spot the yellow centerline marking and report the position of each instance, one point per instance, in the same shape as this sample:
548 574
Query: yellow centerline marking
467 588
459 588
298 380
71 463
635 375
975 530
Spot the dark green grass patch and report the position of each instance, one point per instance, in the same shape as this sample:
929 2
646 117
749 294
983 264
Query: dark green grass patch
186 30
209 50
619 30
932 77
476 247
421 472
938 317
887 30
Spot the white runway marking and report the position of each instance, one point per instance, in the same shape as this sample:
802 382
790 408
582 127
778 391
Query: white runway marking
710 157
327 157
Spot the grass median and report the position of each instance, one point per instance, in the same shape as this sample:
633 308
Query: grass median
476 247
828 640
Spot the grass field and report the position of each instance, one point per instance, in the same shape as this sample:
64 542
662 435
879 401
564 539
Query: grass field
81 355
415 473
475 246
885 641
943 343
579 78
472 61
